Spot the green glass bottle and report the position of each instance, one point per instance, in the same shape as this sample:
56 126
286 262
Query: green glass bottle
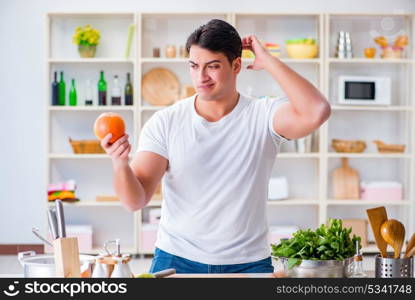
102 90
128 91
62 90
72 94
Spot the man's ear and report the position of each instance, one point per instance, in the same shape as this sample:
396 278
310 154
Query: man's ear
237 65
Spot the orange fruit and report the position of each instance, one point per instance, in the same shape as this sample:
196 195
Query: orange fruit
109 123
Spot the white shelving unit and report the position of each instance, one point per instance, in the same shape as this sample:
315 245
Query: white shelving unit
92 172
310 202
398 117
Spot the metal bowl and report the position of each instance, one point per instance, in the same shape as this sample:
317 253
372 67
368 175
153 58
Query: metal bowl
43 265
316 268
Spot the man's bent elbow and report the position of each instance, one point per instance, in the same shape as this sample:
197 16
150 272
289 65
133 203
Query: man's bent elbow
323 113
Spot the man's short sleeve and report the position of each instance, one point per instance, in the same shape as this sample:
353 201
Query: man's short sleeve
153 136
272 106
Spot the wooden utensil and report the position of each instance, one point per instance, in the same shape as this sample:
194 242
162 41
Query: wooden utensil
377 216
160 87
393 232
410 246
410 253
346 181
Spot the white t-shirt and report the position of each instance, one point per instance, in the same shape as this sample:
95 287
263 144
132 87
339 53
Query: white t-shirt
215 189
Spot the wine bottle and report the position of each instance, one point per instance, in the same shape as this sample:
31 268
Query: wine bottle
88 94
102 90
116 92
55 89
72 94
62 90
128 91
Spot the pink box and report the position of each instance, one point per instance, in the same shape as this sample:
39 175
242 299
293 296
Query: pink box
82 232
381 191
148 237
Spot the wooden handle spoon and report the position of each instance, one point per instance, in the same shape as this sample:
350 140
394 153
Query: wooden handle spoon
410 252
393 232
410 247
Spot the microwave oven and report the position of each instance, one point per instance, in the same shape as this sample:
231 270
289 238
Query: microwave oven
364 90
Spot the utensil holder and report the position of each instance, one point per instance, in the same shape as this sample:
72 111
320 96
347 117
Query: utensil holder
394 267
66 252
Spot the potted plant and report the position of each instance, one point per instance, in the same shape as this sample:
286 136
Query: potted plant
87 39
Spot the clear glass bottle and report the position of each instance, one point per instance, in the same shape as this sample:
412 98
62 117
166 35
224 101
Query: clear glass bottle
88 94
116 92
356 267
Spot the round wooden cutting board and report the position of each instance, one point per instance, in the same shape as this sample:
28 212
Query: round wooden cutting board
160 87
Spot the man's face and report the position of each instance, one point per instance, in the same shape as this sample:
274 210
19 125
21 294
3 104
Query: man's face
212 75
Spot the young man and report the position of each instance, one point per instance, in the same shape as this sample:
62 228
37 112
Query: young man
215 152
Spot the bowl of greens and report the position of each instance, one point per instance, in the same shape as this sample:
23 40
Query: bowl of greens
324 252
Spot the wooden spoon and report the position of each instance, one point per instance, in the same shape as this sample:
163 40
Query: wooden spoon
377 216
410 247
393 232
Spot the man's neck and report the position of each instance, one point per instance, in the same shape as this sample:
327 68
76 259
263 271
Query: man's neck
214 110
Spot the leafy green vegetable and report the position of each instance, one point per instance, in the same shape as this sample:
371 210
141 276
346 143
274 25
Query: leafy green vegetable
331 242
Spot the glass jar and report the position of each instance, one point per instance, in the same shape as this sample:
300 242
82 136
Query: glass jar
156 52
170 51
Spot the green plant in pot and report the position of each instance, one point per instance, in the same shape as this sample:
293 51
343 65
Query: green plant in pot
87 39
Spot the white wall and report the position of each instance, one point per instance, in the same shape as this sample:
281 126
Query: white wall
22 87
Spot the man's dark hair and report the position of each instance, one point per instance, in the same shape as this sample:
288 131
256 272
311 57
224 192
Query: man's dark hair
217 36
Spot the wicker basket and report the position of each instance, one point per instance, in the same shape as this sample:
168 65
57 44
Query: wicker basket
86 146
348 146
389 148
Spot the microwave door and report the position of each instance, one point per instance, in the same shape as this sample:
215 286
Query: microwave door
362 91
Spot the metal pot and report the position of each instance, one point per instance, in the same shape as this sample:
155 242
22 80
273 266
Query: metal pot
316 268
43 265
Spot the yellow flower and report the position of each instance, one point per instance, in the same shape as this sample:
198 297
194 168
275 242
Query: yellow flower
86 35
